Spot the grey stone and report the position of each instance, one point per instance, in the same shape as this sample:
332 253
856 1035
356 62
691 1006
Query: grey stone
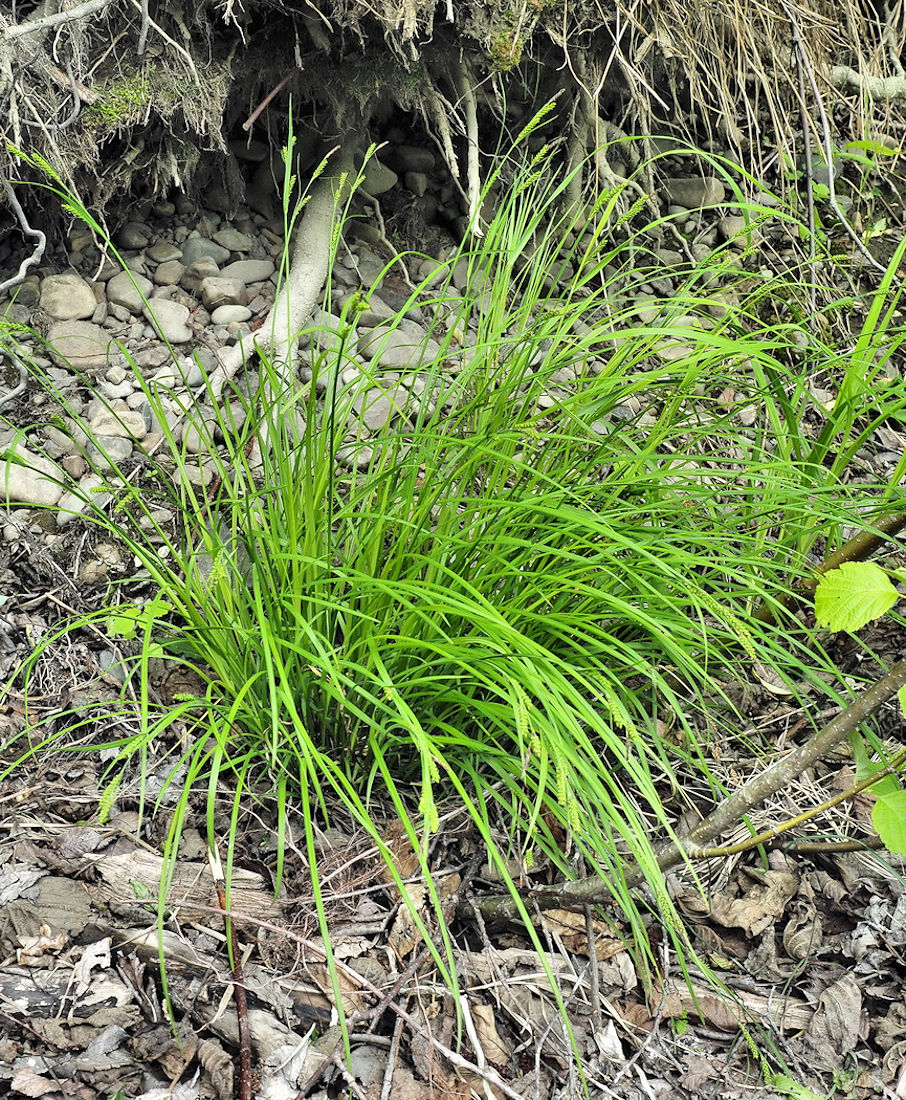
67 297
378 405
30 478
198 433
733 228
232 239
413 158
133 235
80 345
416 182
249 271
76 503
405 346
226 315
127 289
163 252
114 392
169 272
28 293
223 291
123 422
196 272
108 450
154 356
323 332
694 192
197 248
378 178
169 321
69 442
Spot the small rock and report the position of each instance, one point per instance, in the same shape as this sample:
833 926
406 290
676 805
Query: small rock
378 178
80 345
233 240
30 478
108 450
164 252
155 356
113 392
169 320
133 235
126 423
249 271
67 297
733 228
405 346
197 272
377 406
223 291
74 465
416 182
198 248
694 192
128 290
28 293
76 503
226 315
169 272
412 158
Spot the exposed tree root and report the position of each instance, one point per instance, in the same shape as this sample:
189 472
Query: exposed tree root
298 295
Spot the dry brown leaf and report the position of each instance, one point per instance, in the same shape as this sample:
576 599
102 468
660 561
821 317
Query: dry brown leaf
496 1049
804 931
28 1083
572 930
837 1020
405 859
759 906
404 935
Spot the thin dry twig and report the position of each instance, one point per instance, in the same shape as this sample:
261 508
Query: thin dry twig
262 106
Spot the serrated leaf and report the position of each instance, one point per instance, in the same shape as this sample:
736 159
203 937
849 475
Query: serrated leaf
889 818
853 595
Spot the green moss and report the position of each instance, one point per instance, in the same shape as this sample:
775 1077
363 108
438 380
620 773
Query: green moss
122 102
505 52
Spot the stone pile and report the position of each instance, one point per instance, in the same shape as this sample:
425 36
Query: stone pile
193 284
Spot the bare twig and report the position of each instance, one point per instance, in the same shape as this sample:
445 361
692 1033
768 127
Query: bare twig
473 171
858 548
771 835
143 34
250 121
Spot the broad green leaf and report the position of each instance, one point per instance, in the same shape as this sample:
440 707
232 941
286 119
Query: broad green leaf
787 1086
889 818
851 596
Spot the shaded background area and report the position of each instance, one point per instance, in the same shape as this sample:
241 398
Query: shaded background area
131 100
